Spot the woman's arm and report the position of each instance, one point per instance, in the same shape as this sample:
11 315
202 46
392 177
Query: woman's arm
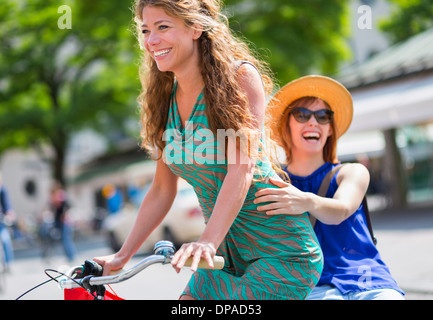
352 183
240 171
229 202
152 211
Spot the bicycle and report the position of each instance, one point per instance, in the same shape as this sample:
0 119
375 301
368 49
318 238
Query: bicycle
4 227
3 269
85 282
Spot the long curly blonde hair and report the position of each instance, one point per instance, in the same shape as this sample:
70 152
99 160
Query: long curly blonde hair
226 104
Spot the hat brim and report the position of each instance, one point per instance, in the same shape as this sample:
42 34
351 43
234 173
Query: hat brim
325 88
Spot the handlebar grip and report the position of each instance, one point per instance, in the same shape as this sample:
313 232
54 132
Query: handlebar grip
117 271
218 263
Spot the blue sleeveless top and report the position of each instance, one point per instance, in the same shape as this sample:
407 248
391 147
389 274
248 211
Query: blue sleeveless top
351 260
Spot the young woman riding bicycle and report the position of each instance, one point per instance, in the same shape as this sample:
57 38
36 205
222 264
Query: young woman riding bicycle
200 79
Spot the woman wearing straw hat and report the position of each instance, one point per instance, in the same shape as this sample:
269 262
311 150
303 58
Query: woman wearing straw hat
308 116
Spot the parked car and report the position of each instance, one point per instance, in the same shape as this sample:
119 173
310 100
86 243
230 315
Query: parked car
183 223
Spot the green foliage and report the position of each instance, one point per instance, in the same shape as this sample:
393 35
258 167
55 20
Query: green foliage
408 18
56 81
295 37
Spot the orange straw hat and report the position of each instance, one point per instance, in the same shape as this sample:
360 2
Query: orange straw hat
327 89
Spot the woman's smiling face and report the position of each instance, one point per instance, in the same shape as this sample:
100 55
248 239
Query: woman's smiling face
309 137
167 39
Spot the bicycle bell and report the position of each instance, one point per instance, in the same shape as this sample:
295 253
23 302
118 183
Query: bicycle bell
164 248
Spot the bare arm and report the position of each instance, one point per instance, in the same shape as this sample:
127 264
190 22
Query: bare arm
352 182
235 187
152 211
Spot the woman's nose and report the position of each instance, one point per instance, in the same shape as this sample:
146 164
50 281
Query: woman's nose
312 120
153 39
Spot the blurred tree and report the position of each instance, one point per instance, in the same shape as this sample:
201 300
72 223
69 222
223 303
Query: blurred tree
408 18
64 69
295 37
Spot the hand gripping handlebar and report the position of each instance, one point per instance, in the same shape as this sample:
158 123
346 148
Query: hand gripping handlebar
163 253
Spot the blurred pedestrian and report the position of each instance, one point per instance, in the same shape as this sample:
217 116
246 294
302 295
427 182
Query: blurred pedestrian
309 115
113 197
62 227
7 218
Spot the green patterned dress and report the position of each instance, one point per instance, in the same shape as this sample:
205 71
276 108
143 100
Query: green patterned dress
266 257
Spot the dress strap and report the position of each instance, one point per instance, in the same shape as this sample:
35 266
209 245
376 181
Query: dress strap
239 63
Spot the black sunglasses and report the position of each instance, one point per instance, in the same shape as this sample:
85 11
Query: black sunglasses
302 115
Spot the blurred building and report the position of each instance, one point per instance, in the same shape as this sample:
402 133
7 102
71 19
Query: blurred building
109 177
393 118
89 167
28 179
366 39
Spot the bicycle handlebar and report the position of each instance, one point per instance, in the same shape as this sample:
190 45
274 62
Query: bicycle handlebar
163 253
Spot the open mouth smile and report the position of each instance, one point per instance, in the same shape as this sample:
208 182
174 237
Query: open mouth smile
161 53
311 136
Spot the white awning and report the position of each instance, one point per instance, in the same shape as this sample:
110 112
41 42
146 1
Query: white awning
384 106
353 143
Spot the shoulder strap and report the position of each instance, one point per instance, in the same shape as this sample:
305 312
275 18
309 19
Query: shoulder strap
239 63
2 205
324 186
323 189
367 217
